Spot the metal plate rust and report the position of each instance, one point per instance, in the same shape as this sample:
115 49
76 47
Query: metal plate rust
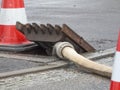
77 39
47 35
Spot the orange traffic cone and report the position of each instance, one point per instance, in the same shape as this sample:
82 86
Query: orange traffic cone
10 38
115 80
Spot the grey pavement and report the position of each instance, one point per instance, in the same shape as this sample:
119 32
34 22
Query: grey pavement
10 64
71 78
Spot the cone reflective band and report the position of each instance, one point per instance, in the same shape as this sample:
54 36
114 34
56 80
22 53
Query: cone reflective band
115 80
12 4
11 12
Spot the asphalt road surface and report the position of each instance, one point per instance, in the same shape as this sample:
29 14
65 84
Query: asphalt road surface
97 21
70 78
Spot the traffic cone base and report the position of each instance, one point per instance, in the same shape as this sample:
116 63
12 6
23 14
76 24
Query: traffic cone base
18 47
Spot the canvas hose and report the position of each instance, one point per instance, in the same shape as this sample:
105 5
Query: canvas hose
66 50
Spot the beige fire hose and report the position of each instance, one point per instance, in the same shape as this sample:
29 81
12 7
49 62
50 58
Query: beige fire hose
66 50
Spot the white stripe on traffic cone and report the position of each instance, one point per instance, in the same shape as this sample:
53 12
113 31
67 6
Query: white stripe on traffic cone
10 16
